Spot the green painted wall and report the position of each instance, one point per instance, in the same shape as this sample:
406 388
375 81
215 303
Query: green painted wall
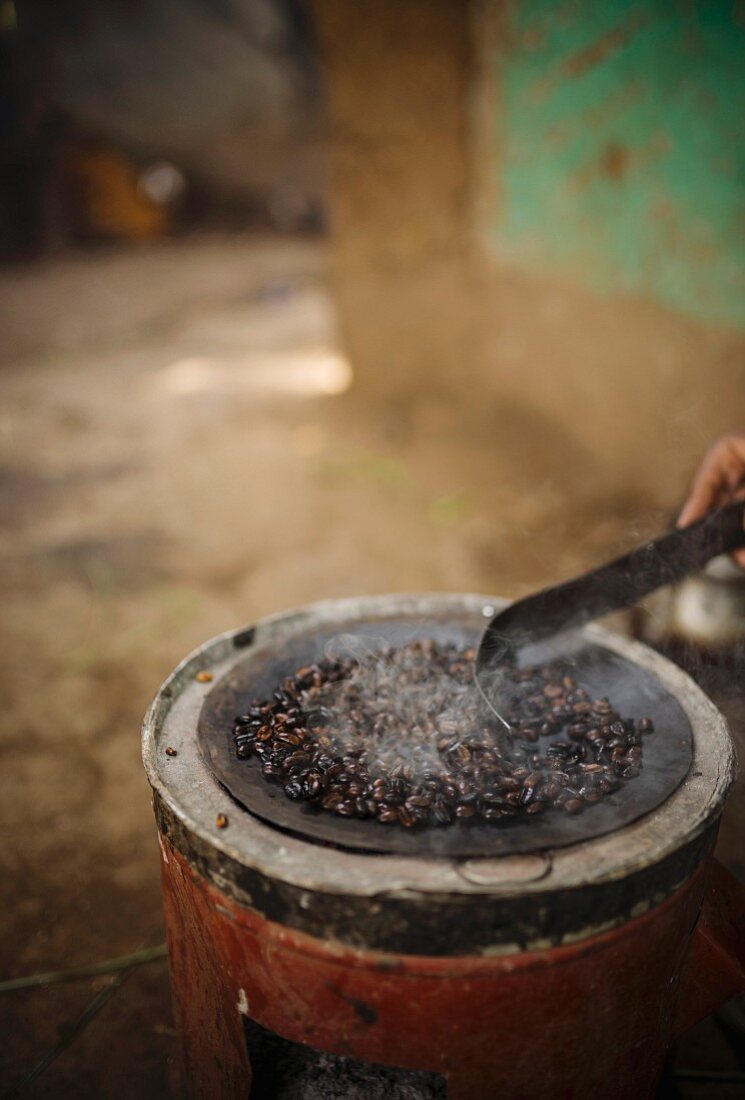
620 147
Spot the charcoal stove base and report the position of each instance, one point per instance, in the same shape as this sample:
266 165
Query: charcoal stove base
565 972
592 1019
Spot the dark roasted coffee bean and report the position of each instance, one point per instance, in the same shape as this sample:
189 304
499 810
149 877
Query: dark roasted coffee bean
298 760
443 812
312 785
467 793
590 794
574 806
332 799
463 811
645 725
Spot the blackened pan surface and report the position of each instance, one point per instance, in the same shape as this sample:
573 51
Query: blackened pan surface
633 691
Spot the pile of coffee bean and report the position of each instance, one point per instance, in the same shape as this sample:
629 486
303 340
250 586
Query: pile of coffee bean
327 741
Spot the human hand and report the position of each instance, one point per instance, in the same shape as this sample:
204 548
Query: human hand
719 480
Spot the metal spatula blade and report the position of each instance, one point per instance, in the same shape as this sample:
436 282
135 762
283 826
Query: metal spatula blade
619 584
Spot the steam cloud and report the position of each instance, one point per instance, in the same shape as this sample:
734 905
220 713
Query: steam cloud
411 701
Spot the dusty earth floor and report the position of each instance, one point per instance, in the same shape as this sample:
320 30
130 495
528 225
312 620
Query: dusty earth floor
177 458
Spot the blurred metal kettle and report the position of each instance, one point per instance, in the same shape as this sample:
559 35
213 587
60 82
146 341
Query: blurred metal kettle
706 611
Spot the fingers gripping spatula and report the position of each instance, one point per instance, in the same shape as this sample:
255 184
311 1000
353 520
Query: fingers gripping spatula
620 583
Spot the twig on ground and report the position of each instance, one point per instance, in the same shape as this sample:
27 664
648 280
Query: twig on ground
91 970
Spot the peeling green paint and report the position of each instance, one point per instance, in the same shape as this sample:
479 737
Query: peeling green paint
619 148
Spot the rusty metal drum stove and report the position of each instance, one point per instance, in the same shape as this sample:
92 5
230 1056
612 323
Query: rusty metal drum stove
478 967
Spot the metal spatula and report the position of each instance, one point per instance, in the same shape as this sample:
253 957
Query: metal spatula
620 583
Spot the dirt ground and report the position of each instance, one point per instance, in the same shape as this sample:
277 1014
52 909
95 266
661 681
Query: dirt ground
178 456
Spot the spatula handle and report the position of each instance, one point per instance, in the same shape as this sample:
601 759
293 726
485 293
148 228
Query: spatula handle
682 552
620 583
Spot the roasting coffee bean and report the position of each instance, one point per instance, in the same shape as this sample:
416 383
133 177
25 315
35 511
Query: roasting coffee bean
464 812
570 751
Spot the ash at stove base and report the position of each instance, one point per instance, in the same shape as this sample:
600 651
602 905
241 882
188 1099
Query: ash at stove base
283 1070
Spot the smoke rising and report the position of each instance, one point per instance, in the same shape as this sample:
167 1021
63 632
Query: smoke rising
402 706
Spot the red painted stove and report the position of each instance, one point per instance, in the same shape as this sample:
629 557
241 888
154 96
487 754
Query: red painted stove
566 972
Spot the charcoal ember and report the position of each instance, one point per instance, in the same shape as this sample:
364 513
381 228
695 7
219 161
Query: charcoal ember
403 737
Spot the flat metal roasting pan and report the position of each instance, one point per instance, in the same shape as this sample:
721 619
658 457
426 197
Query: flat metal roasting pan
633 691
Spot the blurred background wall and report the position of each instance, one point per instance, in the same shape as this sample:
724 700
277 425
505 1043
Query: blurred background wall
543 202
617 148
129 120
